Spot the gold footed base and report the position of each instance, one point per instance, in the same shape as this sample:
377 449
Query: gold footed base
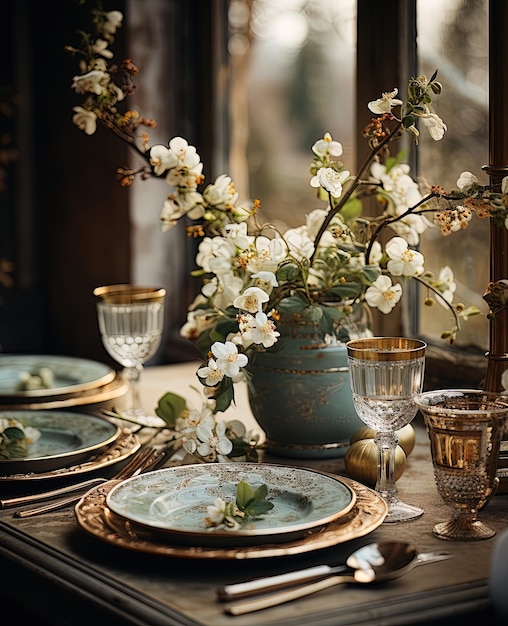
463 530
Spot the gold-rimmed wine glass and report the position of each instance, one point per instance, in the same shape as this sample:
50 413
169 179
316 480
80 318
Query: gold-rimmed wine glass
385 374
131 322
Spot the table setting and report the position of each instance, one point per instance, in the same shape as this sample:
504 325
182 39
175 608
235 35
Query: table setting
180 485
357 521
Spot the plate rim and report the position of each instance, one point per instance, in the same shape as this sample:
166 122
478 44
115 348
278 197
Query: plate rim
368 514
107 375
122 448
113 434
242 534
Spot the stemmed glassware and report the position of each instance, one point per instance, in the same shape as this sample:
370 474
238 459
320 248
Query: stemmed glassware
131 322
465 428
385 375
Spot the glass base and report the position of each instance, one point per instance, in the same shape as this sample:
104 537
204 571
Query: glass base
402 512
462 530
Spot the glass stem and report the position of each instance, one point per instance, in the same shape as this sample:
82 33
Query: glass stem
132 375
386 446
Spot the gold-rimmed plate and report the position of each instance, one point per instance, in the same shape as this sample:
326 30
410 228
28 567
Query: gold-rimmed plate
70 375
96 519
172 502
125 446
66 438
95 399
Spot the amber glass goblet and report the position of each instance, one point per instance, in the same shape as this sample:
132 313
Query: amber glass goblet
465 428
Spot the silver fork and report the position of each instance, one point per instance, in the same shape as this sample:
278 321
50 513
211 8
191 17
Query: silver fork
144 459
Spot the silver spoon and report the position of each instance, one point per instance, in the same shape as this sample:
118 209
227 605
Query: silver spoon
371 564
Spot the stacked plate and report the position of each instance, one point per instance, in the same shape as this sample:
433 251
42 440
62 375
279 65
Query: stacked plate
74 438
164 511
76 383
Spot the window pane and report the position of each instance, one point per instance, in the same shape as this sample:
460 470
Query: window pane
299 80
453 38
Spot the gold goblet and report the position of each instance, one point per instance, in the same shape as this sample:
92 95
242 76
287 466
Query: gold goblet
465 428
131 321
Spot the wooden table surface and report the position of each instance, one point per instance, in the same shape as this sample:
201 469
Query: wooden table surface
62 575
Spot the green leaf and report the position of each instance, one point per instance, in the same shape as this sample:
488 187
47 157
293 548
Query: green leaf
369 274
292 304
170 407
13 433
288 272
244 495
259 508
225 395
351 210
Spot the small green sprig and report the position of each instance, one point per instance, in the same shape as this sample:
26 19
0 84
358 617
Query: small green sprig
13 444
249 505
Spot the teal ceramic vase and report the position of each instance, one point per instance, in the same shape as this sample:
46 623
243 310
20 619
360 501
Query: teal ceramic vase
302 398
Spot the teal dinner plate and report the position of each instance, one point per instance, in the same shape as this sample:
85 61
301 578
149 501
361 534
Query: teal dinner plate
70 374
172 502
67 438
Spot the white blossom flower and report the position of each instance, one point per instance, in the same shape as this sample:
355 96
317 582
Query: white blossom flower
228 360
85 120
95 82
162 159
212 437
216 512
112 22
211 374
466 180
265 281
327 147
238 235
330 180
383 295
313 222
252 300
222 194
446 286
385 103
300 244
174 209
435 125
267 255
403 261
197 322
259 330
101 47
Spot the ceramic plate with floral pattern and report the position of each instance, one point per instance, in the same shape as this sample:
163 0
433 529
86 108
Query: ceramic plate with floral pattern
65 375
66 438
173 502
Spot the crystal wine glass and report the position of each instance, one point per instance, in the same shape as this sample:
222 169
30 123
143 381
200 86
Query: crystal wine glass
465 428
385 374
131 321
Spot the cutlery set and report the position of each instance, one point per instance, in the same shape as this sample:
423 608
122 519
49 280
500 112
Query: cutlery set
374 563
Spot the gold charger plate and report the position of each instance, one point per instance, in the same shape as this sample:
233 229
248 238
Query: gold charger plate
95 518
125 445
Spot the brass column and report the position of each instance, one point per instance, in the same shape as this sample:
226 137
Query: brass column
498 168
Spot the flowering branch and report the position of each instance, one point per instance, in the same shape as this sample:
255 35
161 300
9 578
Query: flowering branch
255 277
